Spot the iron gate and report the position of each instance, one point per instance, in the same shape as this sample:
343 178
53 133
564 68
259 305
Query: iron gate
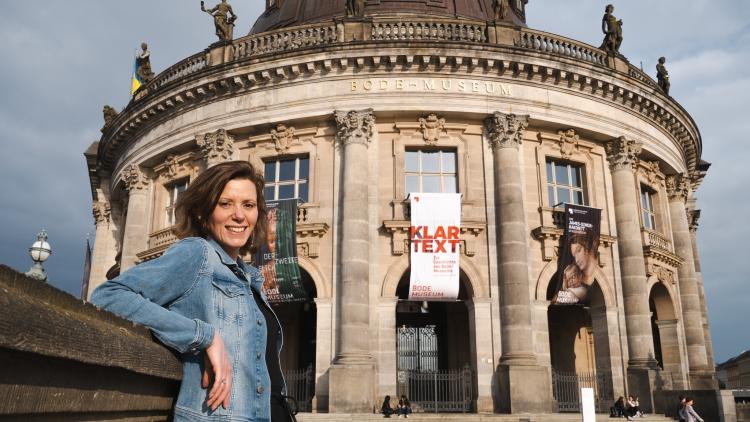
566 387
428 388
300 384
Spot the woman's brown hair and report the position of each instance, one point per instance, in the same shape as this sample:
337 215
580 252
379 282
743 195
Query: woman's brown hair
195 206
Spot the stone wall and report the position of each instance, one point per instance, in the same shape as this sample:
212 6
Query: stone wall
64 360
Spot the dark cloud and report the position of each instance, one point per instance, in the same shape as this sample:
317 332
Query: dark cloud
62 61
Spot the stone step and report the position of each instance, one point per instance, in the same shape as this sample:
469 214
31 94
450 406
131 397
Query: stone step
445 417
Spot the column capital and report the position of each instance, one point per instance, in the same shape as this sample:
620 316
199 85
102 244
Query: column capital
678 187
622 153
102 212
216 146
355 126
134 178
505 130
693 217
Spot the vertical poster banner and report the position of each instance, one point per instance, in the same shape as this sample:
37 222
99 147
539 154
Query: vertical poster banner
435 246
277 259
579 255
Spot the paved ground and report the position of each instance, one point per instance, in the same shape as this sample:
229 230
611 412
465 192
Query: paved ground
445 417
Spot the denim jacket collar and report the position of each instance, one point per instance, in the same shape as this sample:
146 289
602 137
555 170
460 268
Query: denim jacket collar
253 274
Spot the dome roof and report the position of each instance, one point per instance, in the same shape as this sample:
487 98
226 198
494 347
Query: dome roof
286 13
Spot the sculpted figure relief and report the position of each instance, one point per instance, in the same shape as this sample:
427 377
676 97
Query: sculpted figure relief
224 18
662 76
500 8
109 115
144 65
612 28
355 8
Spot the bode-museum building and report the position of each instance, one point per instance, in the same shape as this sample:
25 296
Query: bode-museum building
350 107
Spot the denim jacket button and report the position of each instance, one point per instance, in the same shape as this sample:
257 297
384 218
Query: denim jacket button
259 390
257 355
260 322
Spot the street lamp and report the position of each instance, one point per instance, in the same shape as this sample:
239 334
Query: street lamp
39 252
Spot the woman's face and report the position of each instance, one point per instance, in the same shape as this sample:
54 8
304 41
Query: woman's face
580 256
272 229
233 220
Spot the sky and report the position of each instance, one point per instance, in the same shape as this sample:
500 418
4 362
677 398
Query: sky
62 61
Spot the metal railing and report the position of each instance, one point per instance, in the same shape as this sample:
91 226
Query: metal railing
438 391
555 44
300 384
566 388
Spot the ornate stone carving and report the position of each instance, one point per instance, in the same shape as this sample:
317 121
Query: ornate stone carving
652 172
134 178
216 146
623 153
224 18
355 8
109 115
662 75
172 166
678 186
143 65
505 130
612 29
102 212
663 274
568 143
693 217
282 137
500 8
355 126
432 126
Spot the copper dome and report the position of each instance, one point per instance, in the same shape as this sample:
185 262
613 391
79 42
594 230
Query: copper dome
286 13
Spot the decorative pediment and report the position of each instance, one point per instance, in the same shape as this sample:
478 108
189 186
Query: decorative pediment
568 143
432 127
282 137
651 172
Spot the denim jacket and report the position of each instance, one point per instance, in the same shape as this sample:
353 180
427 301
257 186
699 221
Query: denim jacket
184 296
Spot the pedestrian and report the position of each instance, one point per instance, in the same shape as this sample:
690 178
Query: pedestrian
618 409
198 296
680 405
386 408
404 407
688 413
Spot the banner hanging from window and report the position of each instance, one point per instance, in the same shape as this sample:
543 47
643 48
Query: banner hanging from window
435 246
579 255
277 259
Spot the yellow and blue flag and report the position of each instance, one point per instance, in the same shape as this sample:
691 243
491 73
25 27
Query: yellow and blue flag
136 81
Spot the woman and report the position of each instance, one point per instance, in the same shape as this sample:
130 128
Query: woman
202 300
688 413
579 275
386 408
404 407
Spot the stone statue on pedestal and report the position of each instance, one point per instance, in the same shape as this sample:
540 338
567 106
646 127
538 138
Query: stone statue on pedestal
662 75
109 115
355 8
612 28
500 8
144 65
224 18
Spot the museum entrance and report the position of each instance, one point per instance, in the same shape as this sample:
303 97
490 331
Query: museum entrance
298 320
664 328
433 352
579 351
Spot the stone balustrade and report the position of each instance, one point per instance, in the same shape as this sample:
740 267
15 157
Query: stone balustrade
185 67
555 44
442 30
636 73
285 39
164 237
656 239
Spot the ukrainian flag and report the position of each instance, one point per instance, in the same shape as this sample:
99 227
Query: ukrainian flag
136 81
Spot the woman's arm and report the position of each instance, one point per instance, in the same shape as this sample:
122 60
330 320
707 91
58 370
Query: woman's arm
141 294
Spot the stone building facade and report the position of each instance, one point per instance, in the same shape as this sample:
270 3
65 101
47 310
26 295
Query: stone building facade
351 113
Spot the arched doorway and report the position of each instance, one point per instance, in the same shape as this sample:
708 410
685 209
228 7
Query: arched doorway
434 355
298 321
665 332
579 350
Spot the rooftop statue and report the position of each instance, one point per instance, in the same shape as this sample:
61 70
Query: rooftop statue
612 29
109 115
224 18
500 8
355 8
144 65
662 75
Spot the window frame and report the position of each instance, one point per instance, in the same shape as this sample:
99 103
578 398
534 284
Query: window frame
646 192
554 201
420 173
296 182
172 195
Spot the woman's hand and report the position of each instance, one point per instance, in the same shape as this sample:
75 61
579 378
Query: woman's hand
217 373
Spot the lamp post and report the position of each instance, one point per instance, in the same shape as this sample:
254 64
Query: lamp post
39 252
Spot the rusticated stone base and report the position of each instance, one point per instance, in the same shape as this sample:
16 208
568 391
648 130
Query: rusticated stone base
642 383
703 380
352 388
524 389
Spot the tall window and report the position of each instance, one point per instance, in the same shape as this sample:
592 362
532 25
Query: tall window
431 171
174 190
565 183
647 208
287 178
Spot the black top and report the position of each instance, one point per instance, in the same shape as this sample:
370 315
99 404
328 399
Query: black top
273 331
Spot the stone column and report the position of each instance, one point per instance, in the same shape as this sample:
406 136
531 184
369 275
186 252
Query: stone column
135 238
700 374
323 352
623 155
480 325
525 386
353 372
693 217
216 147
670 352
105 248
387 365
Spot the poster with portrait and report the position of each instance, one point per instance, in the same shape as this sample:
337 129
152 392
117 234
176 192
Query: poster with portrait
579 255
435 246
277 259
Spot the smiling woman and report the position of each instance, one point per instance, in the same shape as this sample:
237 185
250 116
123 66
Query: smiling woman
196 295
